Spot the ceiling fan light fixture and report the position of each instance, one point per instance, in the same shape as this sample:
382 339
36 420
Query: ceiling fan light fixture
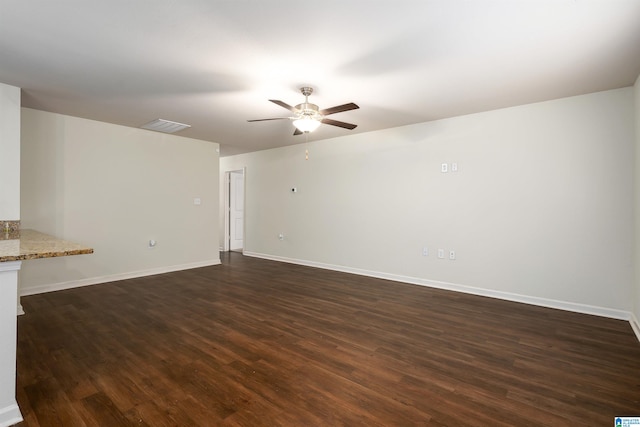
306 124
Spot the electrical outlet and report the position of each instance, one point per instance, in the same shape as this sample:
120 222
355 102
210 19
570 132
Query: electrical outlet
441 253
444 168
452 254
454 167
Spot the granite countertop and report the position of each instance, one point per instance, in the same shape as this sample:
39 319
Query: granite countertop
31 244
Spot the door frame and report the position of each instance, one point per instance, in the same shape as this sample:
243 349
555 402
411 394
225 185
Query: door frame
227 207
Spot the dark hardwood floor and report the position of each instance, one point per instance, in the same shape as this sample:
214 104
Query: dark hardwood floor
260 343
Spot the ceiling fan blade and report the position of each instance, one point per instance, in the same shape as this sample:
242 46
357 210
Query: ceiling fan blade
297 132
339 109
339 124
264 120
284 105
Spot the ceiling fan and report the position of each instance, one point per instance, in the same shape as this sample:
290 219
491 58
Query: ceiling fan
307 117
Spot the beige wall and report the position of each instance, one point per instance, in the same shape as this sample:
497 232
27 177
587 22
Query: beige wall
115 188
540 210
636 193
9 152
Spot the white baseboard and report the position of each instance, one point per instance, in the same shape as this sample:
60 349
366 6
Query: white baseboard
543 302
113 277
10 415
635 325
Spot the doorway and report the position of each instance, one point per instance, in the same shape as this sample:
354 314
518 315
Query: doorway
234 212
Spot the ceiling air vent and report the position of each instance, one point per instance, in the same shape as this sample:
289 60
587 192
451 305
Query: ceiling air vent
166 126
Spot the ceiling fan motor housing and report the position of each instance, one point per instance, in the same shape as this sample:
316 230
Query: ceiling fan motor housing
308 109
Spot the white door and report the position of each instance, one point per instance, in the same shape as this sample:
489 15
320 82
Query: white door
236 210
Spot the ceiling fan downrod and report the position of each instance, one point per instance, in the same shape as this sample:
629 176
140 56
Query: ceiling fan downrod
306 108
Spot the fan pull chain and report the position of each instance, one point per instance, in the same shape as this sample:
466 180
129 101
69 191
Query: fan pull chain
306 140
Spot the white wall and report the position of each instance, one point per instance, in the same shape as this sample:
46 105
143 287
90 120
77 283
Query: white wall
9 210
539 211
114 188
9 152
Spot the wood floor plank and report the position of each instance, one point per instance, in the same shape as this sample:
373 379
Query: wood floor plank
51 405
100 410
260 343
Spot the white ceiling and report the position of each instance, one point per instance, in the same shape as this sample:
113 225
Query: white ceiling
215 63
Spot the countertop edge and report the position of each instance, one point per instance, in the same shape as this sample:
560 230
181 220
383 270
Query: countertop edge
24 257
33 244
